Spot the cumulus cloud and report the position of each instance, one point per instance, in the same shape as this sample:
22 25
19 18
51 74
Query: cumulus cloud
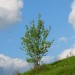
63 39
46 59
9 66
67 53
72 14
10 11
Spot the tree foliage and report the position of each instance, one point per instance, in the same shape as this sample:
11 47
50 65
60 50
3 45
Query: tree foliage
35 42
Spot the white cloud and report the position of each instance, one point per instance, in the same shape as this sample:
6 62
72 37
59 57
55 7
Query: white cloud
72 14
10 11
67 53
64 39
46 59
9 65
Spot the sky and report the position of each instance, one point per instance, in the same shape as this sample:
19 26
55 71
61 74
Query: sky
15 14
54 13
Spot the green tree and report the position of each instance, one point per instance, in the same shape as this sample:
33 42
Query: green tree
35 42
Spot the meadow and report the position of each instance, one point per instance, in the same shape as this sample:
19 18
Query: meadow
63 67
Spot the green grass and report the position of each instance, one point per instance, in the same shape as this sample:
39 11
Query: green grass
63 67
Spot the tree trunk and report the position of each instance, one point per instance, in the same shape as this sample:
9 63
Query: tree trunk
36 64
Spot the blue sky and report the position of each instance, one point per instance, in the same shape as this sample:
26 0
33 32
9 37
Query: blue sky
54 13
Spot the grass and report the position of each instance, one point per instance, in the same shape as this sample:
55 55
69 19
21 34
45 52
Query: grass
63 67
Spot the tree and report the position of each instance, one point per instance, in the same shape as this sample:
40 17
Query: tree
35 42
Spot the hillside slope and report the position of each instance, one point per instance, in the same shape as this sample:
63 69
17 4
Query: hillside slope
63 67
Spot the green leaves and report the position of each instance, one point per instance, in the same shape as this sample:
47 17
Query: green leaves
35 41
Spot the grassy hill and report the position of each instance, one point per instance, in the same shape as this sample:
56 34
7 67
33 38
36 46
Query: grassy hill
63 67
